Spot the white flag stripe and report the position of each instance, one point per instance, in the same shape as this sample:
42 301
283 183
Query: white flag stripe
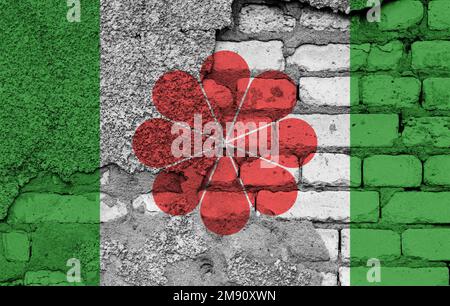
326 206
260 56
312 58
327 169
325 91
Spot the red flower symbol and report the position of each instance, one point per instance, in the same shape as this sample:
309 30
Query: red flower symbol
225 144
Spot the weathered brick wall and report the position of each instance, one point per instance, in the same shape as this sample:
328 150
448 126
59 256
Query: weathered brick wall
49 223
303 246
312 46
386 97
49 178
402 66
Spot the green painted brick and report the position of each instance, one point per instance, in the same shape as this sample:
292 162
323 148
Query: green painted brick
427 131
384 90
418 207
78 183
436 94
354 91
374 130
437 170
12 283
431 55
39 207
385 57
54 244
9 269
364 206
400 15
359 55
392 171
358 4
439 15
401 276
50 93
16 246
429 244
371 243
355 170
45 278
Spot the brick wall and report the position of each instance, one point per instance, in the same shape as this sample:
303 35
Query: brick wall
402 66
312 46
49 223
394 77
377 96
316 53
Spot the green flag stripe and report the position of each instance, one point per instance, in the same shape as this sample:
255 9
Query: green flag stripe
50 118
399 129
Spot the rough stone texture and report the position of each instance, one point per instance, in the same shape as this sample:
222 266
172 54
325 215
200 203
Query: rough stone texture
140 245
333 57
111 209
335 5
145 203
166 36
261 18
322 20
308 244
140 41
178 251
329 279
147 247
